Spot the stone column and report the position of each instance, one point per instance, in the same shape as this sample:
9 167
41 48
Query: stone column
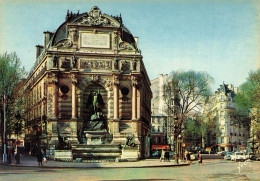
134 101
116 101
74 106
74 102
116 107
134 97
55 100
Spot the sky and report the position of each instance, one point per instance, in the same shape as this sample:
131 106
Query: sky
219 37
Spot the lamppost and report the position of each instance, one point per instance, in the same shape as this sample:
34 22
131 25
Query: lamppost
4 136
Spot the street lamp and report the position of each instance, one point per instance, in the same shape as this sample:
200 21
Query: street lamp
4 136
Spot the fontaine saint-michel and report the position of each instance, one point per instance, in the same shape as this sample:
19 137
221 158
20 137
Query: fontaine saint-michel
89 89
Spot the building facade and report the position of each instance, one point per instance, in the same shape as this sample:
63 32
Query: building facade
231 137
89 78
162 127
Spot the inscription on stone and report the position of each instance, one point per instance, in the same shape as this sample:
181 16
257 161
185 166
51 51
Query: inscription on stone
95 64
91 40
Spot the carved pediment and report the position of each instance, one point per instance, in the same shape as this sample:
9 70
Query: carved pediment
95 17
125 46
66 43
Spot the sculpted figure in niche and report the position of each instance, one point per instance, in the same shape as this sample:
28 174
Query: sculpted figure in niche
94 105
134 64
74 61
55 61
116 63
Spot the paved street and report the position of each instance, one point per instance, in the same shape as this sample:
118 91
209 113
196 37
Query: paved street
212 169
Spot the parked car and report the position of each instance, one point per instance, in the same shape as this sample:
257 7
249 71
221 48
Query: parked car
222 153
254 157
228 155
238 156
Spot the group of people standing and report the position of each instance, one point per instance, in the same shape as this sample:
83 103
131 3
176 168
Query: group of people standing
165 156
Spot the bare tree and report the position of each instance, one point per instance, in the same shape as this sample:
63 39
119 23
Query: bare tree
185 94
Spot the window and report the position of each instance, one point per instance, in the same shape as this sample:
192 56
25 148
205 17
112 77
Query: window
221 106
222 97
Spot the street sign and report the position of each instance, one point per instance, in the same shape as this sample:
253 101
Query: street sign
18 142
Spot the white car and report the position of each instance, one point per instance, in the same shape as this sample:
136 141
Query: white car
238 156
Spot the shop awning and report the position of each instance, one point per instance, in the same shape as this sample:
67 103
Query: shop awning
158 147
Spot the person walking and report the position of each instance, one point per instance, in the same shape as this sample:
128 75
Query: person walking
177 158
188 157
200 157
39 157
167 156
162 155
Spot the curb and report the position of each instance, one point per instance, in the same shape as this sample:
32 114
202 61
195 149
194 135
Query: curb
84 167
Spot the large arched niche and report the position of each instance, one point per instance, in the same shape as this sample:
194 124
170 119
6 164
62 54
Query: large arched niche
90 89
82 94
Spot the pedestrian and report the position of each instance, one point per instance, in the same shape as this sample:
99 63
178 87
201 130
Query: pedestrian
39 157
9 155
162 155
44 159
188 157
167 156
200 157
177 158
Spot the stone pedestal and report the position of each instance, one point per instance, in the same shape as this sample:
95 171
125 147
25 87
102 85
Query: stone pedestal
95 137
130 154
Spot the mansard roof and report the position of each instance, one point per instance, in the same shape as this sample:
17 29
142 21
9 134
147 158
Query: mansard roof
93 18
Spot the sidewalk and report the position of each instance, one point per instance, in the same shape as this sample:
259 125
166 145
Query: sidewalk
31 161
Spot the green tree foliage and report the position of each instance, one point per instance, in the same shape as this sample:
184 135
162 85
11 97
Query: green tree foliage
248 104
11 76
184 94
249 94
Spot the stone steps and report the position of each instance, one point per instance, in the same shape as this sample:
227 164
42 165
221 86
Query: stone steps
96 153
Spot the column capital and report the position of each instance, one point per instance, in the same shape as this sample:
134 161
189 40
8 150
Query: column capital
116 80
74 78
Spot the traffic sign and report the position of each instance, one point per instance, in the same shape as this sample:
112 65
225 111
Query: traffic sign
18 142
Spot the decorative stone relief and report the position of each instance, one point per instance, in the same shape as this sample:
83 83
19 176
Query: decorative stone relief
115 63
96 64
95 78
73 34
53 77
74 79
116 79
134 80
65 63
125 65
55 61
125 46
96 18
66 44
74 62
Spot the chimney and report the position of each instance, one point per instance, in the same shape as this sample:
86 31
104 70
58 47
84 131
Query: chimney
47 37
39 49
136 41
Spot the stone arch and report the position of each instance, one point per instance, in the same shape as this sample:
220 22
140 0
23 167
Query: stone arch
93 81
